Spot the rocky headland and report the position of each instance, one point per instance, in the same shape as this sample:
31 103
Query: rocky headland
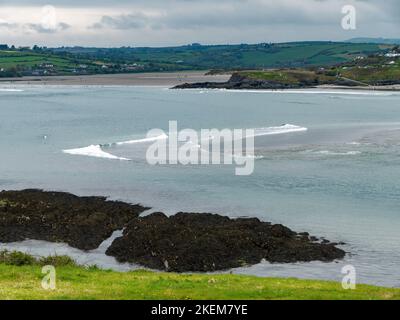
240 81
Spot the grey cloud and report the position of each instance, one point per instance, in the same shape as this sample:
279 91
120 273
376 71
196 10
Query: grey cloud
121 22
39 28
36 27
237 14
160 22
7 25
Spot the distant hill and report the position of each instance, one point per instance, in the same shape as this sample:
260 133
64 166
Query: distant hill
374 40
263 55
80 60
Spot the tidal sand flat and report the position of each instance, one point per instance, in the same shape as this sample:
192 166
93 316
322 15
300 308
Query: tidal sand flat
168 79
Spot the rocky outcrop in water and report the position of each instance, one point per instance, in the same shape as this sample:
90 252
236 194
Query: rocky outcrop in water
238 82
183 242
208 242
81 222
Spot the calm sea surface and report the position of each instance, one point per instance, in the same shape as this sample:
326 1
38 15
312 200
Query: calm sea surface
339 179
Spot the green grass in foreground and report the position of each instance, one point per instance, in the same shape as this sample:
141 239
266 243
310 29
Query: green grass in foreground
73 282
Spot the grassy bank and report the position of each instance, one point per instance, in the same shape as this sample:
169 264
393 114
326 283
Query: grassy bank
365 71
21 276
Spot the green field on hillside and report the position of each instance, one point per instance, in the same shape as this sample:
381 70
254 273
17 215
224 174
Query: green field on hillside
10 59
374 74
191 57
258 56
289 76
374 70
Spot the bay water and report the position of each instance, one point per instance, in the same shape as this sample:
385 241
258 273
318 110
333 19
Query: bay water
338 178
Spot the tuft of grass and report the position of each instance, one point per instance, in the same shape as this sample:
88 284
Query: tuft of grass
57 261
16 258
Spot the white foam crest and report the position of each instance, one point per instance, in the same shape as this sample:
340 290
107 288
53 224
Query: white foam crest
248 156
258 132
10 90
93 151
333 153
144 140
96 150
354 143
286 128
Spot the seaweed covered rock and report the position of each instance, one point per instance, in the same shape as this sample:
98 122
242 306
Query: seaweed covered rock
208 242
81 222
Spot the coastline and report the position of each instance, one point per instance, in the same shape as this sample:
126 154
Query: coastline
169 79
361 88
240 81
194 80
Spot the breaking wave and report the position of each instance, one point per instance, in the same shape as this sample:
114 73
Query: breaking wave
97 151
334 153
286 128
93 151
10 90
151 139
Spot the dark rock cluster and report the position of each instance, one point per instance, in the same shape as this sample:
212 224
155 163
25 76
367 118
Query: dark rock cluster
209 242
81 222
183 242
240 82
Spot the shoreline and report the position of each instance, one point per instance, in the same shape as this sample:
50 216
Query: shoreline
243 82
193 79
394 88
168 79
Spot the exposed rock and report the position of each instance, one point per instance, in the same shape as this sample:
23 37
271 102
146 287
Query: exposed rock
207 242
184 242
238 82
81 222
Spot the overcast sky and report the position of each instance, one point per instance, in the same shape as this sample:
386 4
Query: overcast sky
175 22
